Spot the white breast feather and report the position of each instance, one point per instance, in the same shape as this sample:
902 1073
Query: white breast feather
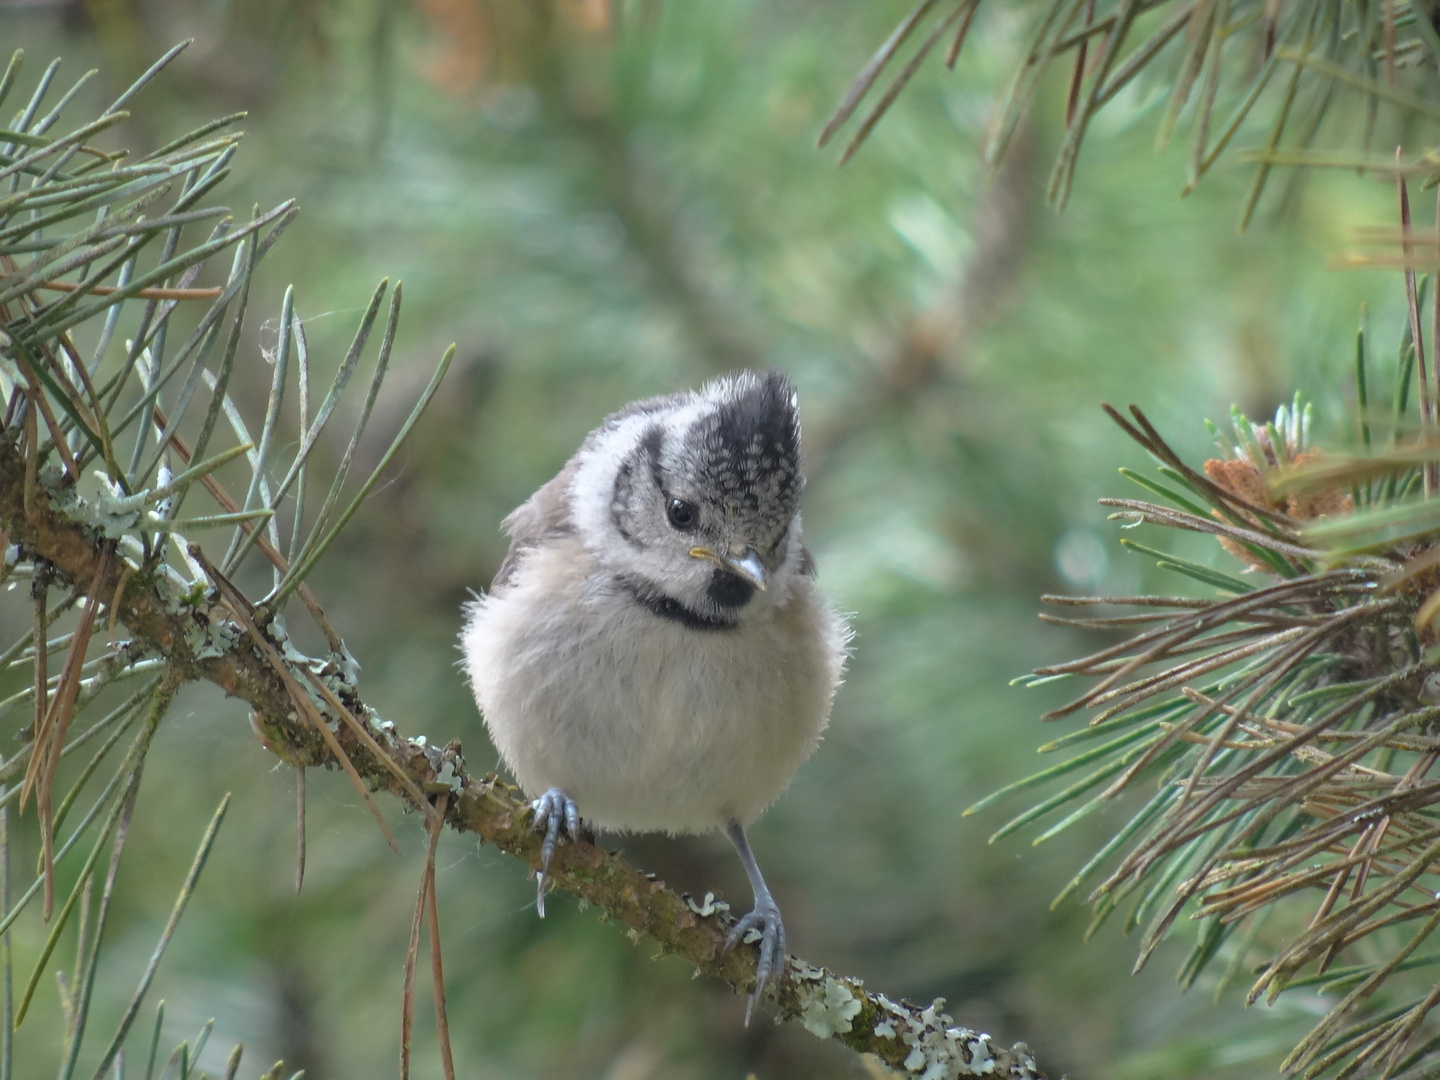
649 725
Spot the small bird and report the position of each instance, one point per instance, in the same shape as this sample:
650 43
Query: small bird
653 652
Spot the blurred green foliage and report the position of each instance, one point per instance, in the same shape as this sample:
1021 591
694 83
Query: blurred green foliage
602 202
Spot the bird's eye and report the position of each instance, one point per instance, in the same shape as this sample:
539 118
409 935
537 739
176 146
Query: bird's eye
682 514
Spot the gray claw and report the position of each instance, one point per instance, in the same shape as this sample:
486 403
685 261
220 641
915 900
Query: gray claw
553 810
771 963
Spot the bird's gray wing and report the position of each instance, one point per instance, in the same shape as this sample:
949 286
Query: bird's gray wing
542 517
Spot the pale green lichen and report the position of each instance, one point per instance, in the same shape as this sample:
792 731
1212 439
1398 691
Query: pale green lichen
938 1049
218 640
448 775
706 907
196 638
200 634
347 665
111 511
280 634
300 661
828 1008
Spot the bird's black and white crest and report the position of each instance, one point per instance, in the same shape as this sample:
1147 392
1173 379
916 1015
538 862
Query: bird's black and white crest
672 492
746 448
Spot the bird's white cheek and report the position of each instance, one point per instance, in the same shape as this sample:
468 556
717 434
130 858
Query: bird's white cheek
593 487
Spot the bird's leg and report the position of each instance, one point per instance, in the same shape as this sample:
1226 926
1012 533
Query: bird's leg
763 918
553 810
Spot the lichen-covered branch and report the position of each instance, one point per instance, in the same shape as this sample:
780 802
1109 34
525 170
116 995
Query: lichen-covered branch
202 638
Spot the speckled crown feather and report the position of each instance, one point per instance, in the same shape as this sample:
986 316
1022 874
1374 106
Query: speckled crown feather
747 448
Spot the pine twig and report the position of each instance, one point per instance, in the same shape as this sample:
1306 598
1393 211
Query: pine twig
828 1005
143 294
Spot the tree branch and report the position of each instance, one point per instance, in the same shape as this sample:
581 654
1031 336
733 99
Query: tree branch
200 637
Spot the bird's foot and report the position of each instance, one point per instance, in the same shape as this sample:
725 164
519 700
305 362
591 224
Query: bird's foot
553 811
769 933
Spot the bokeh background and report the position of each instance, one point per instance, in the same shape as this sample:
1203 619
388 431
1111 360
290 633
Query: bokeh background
605 199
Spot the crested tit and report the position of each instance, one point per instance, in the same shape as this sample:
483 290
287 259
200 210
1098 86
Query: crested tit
653 652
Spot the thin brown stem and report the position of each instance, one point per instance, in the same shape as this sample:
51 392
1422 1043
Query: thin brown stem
143 294
437 971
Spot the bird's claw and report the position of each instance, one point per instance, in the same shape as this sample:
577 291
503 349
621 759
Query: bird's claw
765 920
553 810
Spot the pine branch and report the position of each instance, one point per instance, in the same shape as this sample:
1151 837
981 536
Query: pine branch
1214 55
1288 722
202 639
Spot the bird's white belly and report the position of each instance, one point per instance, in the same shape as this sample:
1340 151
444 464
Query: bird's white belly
649 725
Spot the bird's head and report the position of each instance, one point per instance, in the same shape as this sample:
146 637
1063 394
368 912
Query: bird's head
693 498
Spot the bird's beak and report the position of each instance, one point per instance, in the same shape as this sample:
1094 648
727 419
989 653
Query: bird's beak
747 566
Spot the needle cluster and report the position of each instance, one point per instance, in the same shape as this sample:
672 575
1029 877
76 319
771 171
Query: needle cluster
1281 728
